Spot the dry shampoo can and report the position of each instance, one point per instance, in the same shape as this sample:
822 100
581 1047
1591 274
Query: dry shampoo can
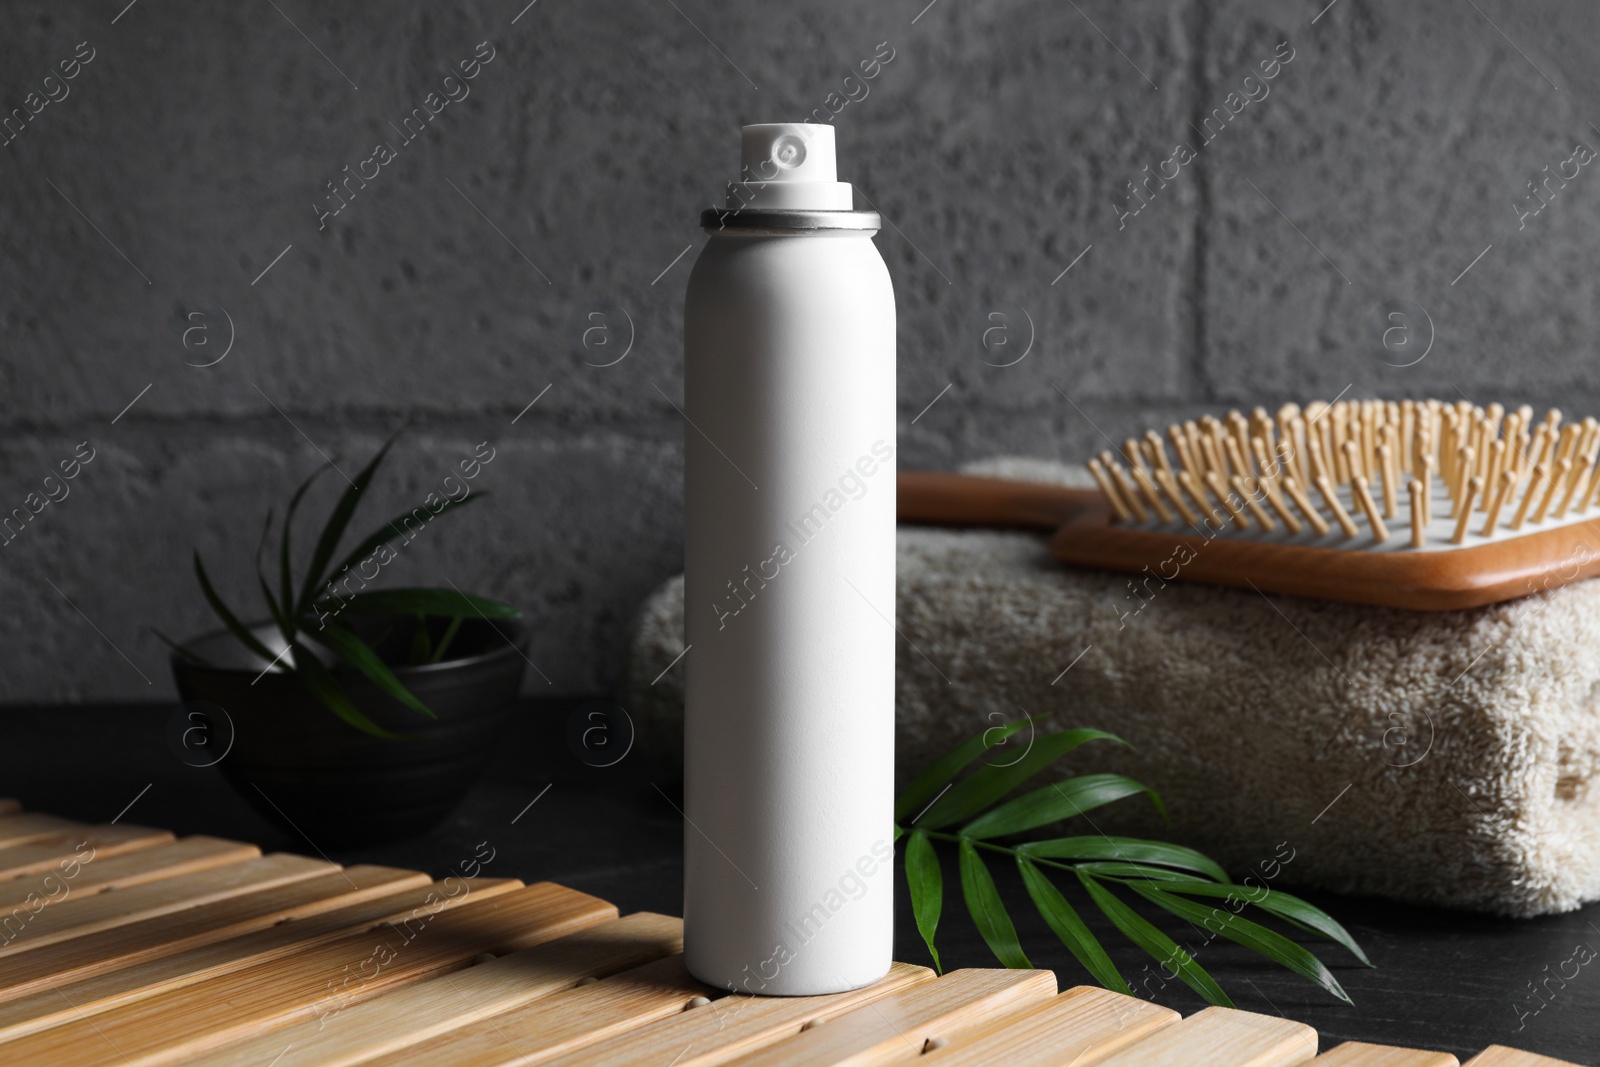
789 596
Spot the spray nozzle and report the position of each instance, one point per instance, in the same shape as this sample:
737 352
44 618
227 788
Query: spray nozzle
789 165
788 151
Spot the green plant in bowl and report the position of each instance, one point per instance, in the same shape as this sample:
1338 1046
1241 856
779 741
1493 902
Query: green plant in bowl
315 626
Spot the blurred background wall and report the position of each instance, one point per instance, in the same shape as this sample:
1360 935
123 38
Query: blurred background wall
170 202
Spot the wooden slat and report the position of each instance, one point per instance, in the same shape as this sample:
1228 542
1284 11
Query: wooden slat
895 1028
1359 1054
726 1028
165 935
315 983
127 985
15 829
1221 1037
1080 1027
1500 1056
159 951
561 1023
415 1013
76 916
45 854
103 874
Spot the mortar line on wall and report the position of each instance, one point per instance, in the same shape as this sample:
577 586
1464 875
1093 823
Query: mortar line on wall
563 426
224 424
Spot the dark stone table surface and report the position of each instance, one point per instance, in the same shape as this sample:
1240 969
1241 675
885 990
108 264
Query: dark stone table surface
1443 979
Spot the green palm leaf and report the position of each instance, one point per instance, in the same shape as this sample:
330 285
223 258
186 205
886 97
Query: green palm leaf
1164 874
1277 902
926 883
925 785
1070 928
1128 849
1055 802
1165 950
1104 869
992 781
1251 935
988 911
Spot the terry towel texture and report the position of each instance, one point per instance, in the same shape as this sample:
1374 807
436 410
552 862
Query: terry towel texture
1440 758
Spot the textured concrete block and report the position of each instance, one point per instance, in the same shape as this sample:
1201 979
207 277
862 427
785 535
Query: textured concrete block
995 153
91 573
1064 433
201 147
173 261
1397 143
565 182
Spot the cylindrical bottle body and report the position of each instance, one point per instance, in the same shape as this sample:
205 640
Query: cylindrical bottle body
789 601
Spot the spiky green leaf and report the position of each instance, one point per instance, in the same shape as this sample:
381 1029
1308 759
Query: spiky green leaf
183 650
421 648
274 609
445 638
285 567
356 652
447 603
334 528
316 677
229 619
393 530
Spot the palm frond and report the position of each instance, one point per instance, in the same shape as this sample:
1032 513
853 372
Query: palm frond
1165 875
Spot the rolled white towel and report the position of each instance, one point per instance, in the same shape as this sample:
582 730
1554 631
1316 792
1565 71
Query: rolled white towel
1445 758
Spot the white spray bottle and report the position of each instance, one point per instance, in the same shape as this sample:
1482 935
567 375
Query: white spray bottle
789 601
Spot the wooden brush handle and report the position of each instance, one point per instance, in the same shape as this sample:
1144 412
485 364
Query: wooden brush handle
940 498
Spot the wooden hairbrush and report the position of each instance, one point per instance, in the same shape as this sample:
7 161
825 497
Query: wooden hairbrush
1416 504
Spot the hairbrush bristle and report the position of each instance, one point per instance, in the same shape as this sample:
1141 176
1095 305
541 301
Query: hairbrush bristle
1254 475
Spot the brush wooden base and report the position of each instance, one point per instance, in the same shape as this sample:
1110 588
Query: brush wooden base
139 949
1087 535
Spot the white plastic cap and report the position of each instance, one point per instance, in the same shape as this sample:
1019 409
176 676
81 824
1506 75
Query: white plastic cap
789 165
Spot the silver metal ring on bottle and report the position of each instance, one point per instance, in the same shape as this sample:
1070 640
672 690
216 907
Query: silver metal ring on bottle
787 219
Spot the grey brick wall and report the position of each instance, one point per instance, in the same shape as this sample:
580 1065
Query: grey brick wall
148 197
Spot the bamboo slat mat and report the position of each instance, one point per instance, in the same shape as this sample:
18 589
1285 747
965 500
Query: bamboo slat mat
126 946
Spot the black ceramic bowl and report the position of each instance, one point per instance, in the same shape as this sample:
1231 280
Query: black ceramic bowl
309 772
